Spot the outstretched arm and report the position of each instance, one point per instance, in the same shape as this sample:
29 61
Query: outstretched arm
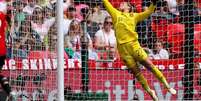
147 12
111 10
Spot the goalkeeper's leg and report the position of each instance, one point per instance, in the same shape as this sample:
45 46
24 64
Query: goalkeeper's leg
137 73
150 66
126 53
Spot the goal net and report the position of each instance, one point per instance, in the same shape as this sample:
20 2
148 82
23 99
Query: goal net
32 48
93 68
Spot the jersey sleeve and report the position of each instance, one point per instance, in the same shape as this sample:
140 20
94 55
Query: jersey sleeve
111 10
145 14
3 22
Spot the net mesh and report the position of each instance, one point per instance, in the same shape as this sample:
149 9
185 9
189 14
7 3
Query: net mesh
98 73
33 50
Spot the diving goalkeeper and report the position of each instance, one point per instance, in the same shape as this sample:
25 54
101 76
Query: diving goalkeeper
128 46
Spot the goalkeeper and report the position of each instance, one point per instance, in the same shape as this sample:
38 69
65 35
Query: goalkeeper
128 46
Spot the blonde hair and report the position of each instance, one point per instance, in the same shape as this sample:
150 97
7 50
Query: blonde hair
75 27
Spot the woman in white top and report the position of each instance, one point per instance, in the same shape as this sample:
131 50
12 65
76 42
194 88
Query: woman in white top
72 39
105 37
105 40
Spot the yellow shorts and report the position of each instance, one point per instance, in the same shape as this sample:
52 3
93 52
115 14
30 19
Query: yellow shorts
132 53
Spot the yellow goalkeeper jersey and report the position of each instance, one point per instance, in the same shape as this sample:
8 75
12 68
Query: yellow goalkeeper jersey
125 23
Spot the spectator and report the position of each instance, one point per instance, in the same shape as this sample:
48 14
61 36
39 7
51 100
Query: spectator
71 13
72 40
73 37
105 38
159 52
163 8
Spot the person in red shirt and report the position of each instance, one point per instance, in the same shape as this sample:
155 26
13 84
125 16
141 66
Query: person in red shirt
3 80
3 24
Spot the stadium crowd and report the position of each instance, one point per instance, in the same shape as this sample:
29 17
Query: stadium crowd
32 27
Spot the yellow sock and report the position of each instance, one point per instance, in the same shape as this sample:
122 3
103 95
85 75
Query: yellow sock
159 76
143 82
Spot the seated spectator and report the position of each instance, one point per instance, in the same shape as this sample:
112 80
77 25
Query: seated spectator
72 39
105 39
159 52
69 16
71 13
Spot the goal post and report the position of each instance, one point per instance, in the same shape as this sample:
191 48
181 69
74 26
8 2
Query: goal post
60 51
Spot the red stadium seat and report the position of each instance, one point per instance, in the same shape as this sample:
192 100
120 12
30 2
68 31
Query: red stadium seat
176 36
92 64
197 27
117 63
160 28
102 55
197 37
137 3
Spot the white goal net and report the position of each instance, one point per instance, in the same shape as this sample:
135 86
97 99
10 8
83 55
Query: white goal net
93 68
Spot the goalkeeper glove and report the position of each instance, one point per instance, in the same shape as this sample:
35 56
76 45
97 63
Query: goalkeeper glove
154 1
